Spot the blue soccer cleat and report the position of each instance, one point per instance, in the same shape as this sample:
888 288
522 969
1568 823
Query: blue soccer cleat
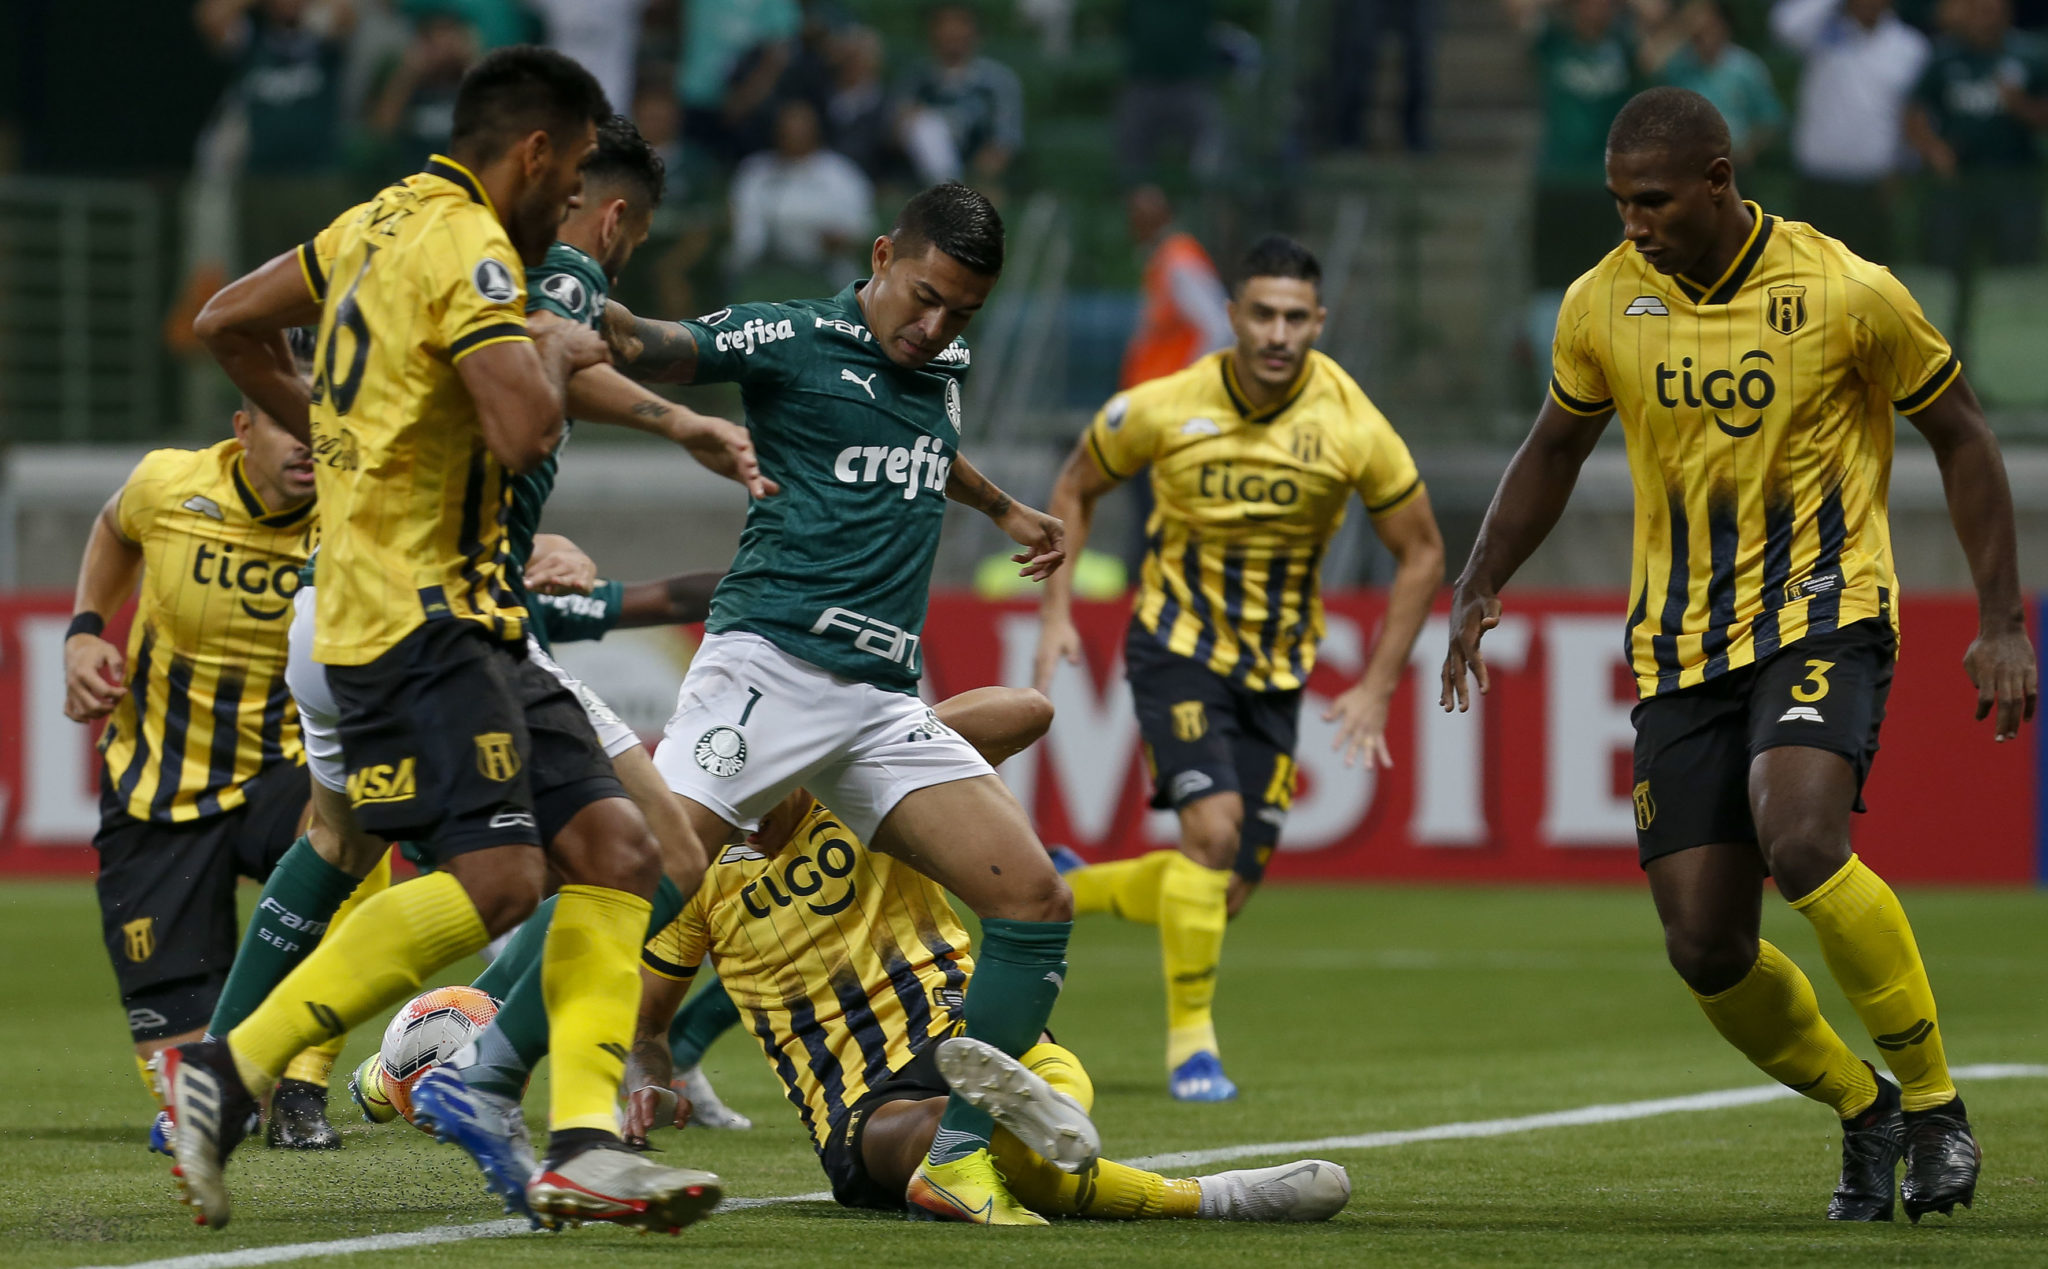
1201 1079
489 1126
1065 859
160 1133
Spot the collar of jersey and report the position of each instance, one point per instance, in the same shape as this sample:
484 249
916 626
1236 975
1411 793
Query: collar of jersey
457 175
1271 412
1730 282
252 502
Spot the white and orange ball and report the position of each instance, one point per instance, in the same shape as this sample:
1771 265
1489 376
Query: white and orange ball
432 1028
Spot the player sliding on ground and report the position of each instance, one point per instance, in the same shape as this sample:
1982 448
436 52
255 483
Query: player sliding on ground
1254 454
1755 364
808 671
430 393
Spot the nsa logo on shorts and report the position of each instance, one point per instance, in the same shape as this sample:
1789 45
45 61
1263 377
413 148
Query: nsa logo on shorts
722 751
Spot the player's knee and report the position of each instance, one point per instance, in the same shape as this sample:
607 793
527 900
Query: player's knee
1239 894
1710 961
1055 902
1210 830
608 844
1803 852
504 883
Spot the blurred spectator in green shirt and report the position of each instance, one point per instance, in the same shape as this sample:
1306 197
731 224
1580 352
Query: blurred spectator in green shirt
1698 51
1976 119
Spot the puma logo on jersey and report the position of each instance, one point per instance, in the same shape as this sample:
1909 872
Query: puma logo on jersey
204 506
1801 714
866 385
1646 306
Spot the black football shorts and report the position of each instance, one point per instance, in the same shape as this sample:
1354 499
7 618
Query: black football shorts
1204 734
915 1080
1694 746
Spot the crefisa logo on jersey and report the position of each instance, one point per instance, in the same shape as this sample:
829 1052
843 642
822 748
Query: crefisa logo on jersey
1785 309
494 281
752 334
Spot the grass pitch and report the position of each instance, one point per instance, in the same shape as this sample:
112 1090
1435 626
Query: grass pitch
1342 1011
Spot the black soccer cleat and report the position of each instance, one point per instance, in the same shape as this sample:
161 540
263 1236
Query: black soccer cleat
1872 1145
298 1118
1942 1159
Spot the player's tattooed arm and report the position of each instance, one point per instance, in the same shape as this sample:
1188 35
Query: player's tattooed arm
672 601
1526 507
2000 661
1043 538
602 395
652 351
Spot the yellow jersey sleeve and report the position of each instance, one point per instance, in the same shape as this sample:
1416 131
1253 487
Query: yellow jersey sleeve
476 287
1577 380
1896 346
679 947
1123 436
1388 480
316 255
143 494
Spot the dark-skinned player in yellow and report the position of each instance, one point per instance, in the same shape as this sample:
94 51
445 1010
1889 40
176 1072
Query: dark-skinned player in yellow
1755 364
1254 453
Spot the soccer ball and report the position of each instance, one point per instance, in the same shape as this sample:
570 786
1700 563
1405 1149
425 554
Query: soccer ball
430 1029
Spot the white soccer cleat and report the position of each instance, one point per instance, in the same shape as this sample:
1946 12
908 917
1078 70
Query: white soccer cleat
706 1110
1051 1124
1308 1190
614 1184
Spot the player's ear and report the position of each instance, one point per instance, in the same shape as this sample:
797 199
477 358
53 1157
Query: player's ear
884 250
1720 175
245 419
535 150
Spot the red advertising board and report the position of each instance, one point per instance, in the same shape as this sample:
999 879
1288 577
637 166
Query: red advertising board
1532 786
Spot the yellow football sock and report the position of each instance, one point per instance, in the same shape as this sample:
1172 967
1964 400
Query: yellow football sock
1193 911
1773 1016
1870 950
316 1065
1127 887
1105 1191
590 979
148 1080
378 958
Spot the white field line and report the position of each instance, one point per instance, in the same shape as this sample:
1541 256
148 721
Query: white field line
1581 1116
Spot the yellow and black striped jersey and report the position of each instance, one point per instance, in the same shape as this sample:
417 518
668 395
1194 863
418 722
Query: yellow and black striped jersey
410 283
1244 503
843 962
206 707
1758 416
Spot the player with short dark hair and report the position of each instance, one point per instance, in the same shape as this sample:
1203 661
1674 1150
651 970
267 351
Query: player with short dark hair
432 391
809 668
1254 453
1755 364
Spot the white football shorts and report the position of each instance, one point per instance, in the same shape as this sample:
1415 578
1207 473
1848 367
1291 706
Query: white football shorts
319 717
753 722
613 735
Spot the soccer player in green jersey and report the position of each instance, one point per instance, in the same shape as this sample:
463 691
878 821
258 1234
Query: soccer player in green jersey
809 668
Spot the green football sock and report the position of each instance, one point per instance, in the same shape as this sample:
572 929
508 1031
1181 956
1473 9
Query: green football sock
501 1059
1018 972
300 898
708 1015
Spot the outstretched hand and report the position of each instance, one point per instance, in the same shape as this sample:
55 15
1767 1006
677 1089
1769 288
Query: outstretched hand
1043 538
2001 665
1472 615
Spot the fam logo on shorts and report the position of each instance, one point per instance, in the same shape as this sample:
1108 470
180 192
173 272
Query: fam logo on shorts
138 938
722 751
496 757
1646 809
1190 721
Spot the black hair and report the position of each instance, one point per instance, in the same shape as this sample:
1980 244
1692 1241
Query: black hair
1278 256
958 221
302 340
519 90
624 158
1677 121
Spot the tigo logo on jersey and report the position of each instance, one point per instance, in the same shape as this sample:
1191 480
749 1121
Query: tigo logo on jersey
804 877
890 642
494 281
752 334
1721 389
922 466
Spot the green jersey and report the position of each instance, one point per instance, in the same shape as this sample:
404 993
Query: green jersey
574 618
570 285
836 569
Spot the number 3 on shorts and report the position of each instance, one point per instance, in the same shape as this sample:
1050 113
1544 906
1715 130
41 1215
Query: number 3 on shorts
1815 685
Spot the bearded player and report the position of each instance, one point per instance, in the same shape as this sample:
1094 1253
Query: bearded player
1254 453
1755 364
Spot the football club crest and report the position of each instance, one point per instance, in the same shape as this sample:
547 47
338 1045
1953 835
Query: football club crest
494 281
139 938
1646 810
496 757
1307 445
953 403
1190 721
722 751
1785 310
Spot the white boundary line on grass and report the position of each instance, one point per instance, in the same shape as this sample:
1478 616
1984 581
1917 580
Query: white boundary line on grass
1581 1116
